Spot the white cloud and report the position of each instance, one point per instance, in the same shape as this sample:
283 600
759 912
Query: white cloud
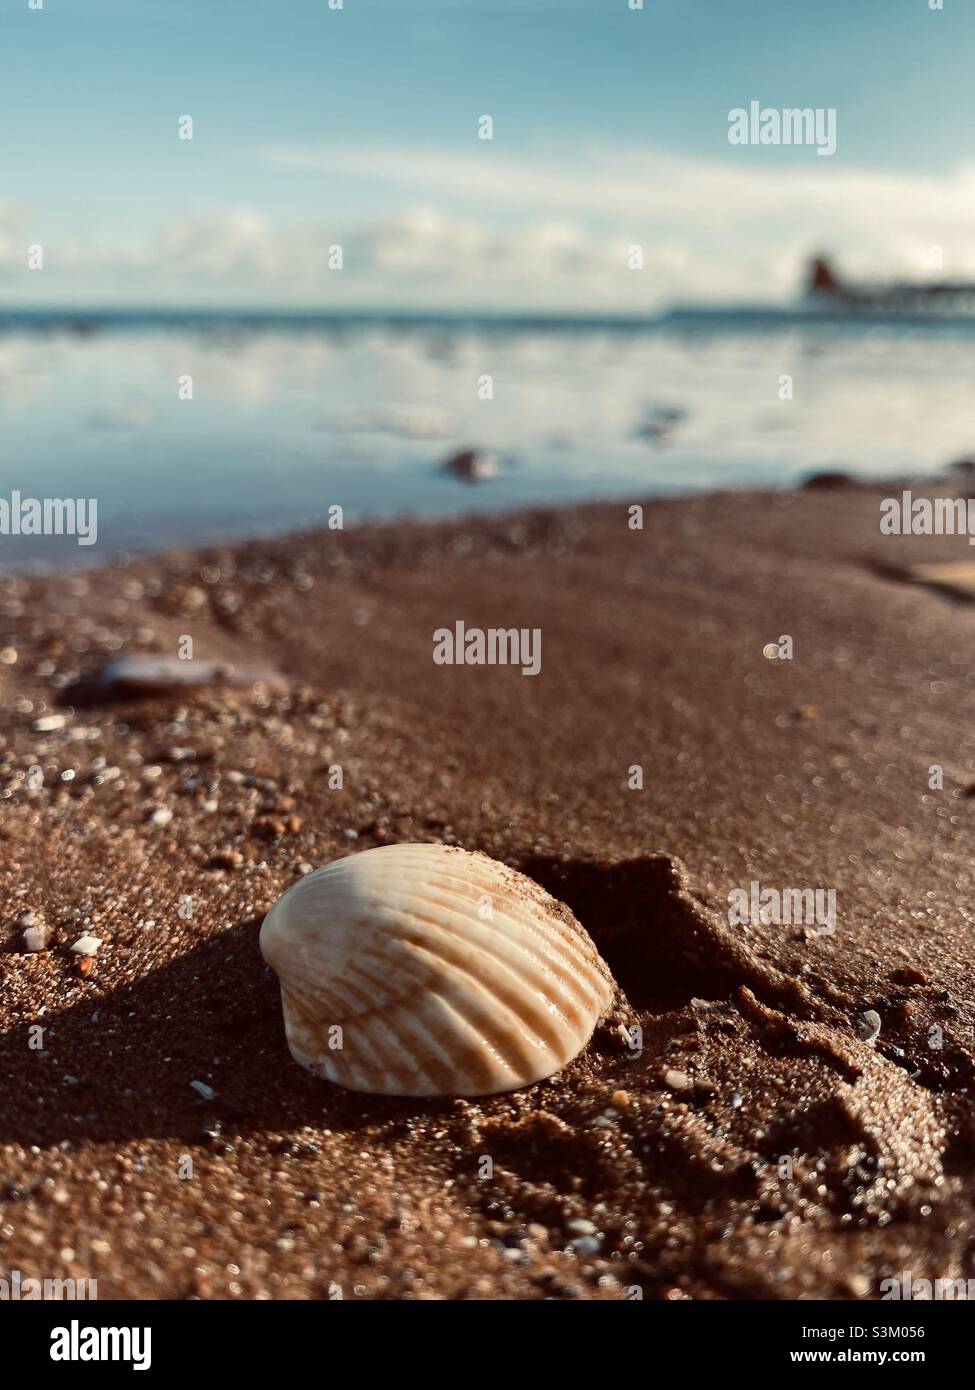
12 239
652 184
485 229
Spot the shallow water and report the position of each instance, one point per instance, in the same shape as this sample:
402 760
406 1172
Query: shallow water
290 417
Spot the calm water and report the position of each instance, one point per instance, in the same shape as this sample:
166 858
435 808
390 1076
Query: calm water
289 417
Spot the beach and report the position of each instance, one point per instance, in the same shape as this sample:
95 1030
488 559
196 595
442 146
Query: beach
757 1136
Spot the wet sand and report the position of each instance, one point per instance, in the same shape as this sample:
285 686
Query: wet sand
754 1147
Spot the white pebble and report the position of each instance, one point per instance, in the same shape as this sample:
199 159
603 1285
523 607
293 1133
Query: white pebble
162 815
49 723
677 1080
86 945
35 938
578 1226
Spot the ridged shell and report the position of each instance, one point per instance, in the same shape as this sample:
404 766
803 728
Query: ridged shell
437 971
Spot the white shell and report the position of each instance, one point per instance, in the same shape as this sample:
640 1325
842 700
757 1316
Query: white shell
424 970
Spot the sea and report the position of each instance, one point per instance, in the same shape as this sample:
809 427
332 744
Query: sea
192 427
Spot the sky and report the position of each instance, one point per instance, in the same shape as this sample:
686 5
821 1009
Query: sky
357 127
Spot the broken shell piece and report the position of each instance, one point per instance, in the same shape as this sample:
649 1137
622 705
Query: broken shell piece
424 970
870 1027
143 674
86 945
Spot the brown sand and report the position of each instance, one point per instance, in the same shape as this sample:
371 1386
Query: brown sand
663 1171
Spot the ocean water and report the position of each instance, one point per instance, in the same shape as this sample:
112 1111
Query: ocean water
290 416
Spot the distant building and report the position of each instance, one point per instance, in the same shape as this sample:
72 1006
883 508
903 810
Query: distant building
942 298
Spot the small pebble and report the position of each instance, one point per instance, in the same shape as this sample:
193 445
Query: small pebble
86 945
162 815
586 1245
49 723
35 938
228 859
677 1080
579 1226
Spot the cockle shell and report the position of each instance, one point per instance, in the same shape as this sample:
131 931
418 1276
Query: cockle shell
426 970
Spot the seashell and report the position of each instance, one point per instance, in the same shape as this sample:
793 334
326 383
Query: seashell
141 675
427 970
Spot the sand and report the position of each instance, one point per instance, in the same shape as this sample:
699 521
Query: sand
753 1146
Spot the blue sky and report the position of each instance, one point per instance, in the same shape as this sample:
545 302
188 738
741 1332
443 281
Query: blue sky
357 127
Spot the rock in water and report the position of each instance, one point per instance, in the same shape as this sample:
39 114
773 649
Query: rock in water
472 466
